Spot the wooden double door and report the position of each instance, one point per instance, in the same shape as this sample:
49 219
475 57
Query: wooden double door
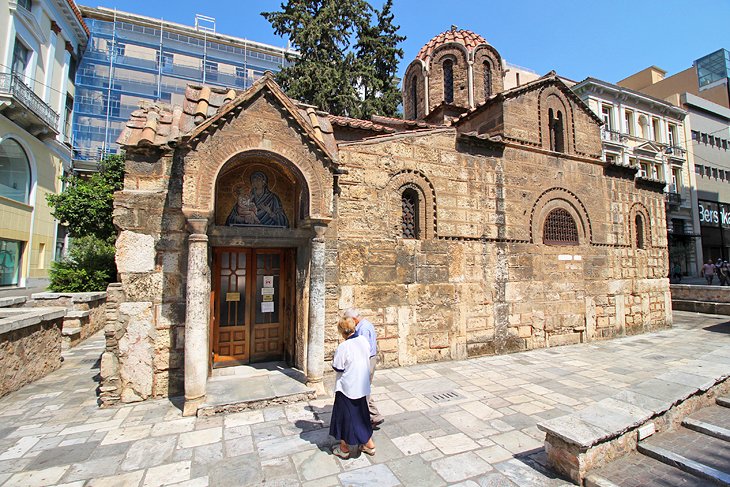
252 306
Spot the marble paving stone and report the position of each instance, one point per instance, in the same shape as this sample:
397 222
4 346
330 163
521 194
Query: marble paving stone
21 447
127 434
516 442
456 443
173 427
494 454
413 444
170 473
129 479
63 455
33 478
375 476
208 454
481 410
415 472
235 472
460 467
201 437
196 482
313 464
239 446
148 453
91 469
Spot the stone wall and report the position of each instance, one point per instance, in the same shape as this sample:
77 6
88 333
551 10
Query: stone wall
30 345
85 313
485 283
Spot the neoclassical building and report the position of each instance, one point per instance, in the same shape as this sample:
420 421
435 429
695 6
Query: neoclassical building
485 222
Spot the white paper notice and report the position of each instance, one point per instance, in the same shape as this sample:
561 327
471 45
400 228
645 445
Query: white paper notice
267 307
267 291
268 281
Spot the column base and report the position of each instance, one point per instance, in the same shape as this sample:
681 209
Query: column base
192 405
318 386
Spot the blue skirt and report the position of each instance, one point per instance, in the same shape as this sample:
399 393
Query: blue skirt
351 420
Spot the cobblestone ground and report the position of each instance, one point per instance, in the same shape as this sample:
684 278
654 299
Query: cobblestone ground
483 434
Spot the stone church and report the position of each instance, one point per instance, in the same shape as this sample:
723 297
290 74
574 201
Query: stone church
484 222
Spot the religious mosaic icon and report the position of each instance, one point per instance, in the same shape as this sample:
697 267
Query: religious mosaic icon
259 206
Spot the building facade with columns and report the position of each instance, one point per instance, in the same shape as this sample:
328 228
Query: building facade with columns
42 41
477 225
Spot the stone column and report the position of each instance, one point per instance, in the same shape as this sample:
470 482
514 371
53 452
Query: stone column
197 313
315 345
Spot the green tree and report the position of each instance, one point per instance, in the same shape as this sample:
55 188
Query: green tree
343 57
85 205
378 55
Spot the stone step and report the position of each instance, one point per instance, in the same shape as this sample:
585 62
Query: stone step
636 470
723 401
696 453
707 429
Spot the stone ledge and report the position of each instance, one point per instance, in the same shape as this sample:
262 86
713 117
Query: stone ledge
16 318
12 301
75 297
74 314
71 331
602 432
705 307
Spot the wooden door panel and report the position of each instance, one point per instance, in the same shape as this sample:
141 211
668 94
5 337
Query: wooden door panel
232 326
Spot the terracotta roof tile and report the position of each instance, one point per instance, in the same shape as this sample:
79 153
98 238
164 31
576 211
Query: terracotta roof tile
466 38
78 15
357 123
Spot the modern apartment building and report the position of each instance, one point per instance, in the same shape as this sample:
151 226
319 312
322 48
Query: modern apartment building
648 134
704 92
131 58
41 44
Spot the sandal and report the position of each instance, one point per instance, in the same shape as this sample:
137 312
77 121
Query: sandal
369 451
337 451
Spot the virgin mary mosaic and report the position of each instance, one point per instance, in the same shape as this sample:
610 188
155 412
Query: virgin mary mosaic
259 206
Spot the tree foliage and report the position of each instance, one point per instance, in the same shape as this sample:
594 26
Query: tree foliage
348 55
85 205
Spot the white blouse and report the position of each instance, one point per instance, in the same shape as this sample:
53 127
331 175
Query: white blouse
352 363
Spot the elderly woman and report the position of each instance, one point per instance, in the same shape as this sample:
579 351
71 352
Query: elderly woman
350 421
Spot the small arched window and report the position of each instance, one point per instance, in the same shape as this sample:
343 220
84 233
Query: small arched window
487 80
557 131
414 95
560 228
14 171
409 218
639 228
448 81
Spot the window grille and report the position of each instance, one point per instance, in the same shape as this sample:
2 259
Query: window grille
487 80
449 81
639 232
409 219
414 96
560 228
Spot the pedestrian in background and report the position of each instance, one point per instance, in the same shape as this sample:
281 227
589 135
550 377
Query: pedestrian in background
708 270
350 422
365 328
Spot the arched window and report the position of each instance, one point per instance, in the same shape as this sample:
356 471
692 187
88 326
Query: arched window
487 80
414 95
409 218
557 136
639 228
14 171
448 81
560 228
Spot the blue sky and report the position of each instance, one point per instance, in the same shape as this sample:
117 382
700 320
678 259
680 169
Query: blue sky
608 39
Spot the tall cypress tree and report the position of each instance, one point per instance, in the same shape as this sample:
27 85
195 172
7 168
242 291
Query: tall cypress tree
379 55
346 64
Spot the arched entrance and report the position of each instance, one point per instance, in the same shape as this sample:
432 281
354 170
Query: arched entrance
261 203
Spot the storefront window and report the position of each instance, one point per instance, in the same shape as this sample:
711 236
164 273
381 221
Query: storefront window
10 253
14 171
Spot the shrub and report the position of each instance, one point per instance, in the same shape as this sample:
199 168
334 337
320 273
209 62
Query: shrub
89 267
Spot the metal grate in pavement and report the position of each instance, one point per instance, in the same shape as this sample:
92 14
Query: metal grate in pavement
444 396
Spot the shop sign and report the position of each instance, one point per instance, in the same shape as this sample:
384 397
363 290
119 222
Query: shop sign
714 214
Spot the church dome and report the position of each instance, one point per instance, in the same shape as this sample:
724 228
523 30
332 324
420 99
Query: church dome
466 38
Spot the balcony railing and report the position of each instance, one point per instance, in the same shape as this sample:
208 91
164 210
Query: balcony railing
612 136
11 84
674 199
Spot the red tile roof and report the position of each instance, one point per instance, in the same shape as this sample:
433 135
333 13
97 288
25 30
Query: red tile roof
357 123
466 38
77 13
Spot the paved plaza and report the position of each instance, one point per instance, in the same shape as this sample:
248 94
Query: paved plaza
470 423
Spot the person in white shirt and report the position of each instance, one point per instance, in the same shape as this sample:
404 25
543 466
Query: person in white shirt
365 328
350 422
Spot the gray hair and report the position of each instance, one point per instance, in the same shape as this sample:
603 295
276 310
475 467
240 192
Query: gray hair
352 313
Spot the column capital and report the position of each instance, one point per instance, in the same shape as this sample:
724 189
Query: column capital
319 231
55 28
198 225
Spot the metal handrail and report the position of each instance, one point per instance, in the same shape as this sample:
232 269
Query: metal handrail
12 84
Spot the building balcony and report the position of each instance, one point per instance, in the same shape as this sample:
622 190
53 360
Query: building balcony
21 105
673 199
612 136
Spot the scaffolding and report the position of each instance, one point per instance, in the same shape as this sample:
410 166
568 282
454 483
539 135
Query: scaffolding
131 58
